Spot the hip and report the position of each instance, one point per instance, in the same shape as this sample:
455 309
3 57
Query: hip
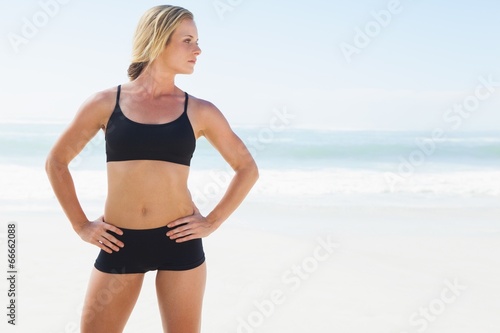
150 249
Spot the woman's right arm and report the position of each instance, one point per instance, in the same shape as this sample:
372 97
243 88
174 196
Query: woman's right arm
91 117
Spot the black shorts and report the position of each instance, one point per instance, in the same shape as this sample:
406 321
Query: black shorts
149 250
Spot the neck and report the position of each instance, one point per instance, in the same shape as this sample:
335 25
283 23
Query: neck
157 81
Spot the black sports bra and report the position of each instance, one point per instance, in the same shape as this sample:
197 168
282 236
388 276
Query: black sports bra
129 140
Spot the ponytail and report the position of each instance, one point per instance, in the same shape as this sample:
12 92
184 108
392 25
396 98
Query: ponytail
135 69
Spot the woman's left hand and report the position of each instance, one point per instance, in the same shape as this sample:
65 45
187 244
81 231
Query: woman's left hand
190 227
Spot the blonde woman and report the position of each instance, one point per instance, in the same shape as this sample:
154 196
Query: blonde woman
150 222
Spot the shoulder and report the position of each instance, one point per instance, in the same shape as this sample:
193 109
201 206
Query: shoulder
104 99
204 110
206 118
199 105
99 106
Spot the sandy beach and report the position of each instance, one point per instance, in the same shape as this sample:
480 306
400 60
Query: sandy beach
371 270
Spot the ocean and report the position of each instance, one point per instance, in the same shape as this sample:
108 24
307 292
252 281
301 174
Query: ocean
297 166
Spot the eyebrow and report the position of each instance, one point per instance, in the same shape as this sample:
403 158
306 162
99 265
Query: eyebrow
190 36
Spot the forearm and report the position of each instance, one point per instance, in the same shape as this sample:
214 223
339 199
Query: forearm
64 189
238 189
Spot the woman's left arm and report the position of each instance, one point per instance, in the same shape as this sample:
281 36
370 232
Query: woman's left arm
214 126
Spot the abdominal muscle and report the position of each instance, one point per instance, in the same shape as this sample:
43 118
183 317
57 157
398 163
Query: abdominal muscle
146 194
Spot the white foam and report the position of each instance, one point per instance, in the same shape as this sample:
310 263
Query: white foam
27 186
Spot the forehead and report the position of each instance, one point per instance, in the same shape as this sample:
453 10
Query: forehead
186 27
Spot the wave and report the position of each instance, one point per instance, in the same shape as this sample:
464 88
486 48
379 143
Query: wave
28 144
28 189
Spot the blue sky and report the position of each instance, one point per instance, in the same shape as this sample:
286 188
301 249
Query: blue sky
259 56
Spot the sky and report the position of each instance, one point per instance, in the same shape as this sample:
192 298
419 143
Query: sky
343 65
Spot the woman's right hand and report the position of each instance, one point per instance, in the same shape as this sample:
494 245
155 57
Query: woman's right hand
96 233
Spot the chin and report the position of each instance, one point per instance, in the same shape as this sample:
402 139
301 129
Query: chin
184 70
188 71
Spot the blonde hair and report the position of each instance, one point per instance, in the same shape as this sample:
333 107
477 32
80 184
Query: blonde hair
152 34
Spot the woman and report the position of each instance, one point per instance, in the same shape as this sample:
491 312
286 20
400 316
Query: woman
150 221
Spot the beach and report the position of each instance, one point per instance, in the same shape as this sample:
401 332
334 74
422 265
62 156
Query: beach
379 279
318 247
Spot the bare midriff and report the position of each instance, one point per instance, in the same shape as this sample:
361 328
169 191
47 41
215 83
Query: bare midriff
146 194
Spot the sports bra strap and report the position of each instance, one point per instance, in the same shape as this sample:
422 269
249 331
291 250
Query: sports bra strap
118 94
185 102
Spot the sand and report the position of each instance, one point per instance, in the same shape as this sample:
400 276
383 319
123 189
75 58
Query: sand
294 269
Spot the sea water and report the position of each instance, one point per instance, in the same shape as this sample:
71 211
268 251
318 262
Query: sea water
297 167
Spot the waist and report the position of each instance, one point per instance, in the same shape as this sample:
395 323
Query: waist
145 216
146 194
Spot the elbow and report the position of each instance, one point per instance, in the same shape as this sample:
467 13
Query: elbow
50 163
254 172
53 165
249 171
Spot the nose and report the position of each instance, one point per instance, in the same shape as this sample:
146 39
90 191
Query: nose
197 51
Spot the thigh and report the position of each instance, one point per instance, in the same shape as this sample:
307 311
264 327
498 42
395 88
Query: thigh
180 298
109 301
